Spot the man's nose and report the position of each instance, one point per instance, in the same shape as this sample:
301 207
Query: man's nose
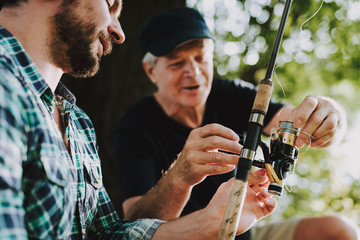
116 32
192 69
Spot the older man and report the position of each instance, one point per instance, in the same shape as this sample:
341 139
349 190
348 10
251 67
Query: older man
169 163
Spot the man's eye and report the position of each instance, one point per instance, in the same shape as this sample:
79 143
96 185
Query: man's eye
176 64
199 59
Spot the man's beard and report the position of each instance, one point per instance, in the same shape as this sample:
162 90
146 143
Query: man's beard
72 42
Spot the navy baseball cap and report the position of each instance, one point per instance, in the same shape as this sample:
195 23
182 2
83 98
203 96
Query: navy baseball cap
168 29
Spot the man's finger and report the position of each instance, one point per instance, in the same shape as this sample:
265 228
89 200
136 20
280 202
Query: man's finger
216 142
257 177
218 130
302 113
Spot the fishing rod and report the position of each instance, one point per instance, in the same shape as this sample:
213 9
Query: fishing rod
259 109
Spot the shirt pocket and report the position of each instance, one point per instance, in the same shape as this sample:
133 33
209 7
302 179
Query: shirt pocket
55 172
93 174
93 183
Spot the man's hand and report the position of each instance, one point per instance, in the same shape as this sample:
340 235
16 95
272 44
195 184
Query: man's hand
258 202
200 156
198 159
322 118
205 223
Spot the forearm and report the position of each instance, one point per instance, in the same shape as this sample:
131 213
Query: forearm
165 200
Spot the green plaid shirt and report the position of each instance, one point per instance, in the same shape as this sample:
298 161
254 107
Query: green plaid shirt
46 192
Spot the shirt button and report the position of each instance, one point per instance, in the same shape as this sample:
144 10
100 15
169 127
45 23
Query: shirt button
83 231
63 177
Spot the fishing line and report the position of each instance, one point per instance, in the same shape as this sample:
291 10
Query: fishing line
307 20
301 40
298 53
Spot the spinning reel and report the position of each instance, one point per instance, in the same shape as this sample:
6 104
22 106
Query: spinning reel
282 155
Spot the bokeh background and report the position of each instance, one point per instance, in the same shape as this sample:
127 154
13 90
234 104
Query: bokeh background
320 54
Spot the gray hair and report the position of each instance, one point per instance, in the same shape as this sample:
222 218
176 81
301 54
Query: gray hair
150 59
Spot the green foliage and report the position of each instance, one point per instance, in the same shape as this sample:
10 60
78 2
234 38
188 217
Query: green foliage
319 55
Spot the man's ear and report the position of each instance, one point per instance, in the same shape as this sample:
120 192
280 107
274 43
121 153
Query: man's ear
149 70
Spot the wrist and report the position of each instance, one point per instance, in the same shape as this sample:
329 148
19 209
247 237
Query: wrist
175 180
209 224
175 176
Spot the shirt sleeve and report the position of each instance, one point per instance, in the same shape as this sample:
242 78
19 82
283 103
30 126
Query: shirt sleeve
107 224
12 145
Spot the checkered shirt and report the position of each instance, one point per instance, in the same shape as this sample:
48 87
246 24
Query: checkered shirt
47 192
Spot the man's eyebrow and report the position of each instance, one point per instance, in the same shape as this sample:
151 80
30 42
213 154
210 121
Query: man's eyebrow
172 56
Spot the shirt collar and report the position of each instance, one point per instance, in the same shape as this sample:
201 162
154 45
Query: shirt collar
62 91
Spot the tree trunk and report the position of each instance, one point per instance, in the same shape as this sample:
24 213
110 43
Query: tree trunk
120 83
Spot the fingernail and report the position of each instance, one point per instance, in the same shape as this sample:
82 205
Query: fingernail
300 143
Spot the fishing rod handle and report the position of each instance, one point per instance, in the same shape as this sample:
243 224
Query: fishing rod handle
256 123
263 96
233 211
238 192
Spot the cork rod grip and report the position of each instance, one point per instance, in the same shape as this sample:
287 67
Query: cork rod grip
263 96
233 211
